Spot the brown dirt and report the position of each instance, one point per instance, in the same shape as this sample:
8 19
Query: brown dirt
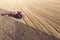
14 30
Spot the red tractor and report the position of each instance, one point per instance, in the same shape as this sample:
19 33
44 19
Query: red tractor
17 14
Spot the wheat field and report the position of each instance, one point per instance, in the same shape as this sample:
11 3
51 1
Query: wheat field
39 14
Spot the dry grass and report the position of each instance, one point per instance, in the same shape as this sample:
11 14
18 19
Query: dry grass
43 15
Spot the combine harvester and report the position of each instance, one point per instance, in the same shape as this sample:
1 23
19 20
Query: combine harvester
41 20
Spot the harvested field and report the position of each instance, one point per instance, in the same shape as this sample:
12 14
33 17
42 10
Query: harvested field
41 21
